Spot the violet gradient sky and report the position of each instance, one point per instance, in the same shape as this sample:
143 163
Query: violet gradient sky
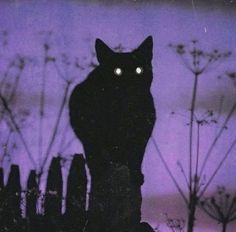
75 27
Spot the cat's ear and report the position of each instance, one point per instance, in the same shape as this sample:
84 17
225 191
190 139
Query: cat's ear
145 49
103 51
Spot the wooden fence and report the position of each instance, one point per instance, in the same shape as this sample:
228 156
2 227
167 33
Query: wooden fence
74 218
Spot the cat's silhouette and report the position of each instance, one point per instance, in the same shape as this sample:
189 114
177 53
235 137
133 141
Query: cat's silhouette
112 111
113 114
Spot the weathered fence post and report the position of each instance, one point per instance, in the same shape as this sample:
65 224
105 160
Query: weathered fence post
1 179
115 202
31 203
11 216
13 191
32 195
1 190
76 195
1 196
53 196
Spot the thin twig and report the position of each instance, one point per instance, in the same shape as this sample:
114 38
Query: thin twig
231 209
192 110
212 208
59 72
219 112
197 158
41 107
226 205
63 135
206 66
187 64
10 65
217 138
68 144
233 215
184 174
232 219
220 108
219 212
13 92
62 149
218 168
6 147
209 214
61 108
18 130
169 172
16 83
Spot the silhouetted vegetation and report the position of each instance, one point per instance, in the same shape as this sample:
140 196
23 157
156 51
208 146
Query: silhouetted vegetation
198 61
221 207
14 119
174 224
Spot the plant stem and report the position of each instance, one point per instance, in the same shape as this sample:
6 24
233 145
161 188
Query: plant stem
217 138
191 211
10 65
220 108
18 130
196 179
192 110
209 213
13 92
184 175
224 226
232 210
62 149
61 108
16 83
217 168
41 109
169 172
5 152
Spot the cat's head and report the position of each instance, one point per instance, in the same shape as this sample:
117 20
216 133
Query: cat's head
129 68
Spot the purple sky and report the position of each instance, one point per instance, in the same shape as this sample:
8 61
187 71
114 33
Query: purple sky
75 27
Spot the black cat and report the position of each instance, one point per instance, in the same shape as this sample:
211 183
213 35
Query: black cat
112 111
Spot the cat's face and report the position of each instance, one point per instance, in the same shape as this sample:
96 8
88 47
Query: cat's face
126 70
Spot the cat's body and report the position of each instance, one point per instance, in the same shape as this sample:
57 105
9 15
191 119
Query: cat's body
112 111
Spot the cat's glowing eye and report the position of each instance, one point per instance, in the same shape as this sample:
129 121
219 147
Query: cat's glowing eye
139 70
118 71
